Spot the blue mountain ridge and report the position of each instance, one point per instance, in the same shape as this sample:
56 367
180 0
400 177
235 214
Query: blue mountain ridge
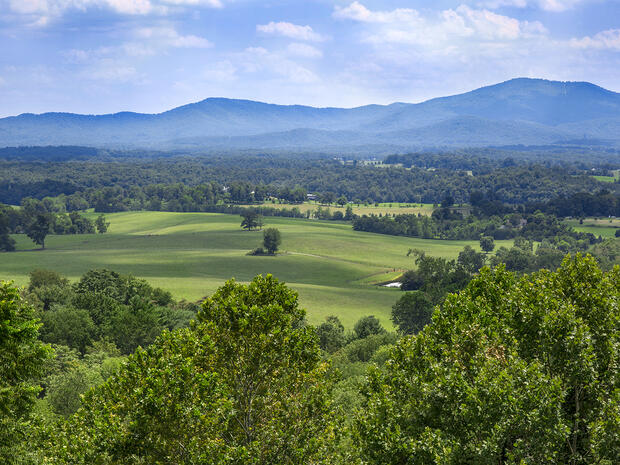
519 111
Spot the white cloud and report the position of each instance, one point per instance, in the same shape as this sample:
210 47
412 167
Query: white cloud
168 36
443 29
304 50
489 25
359 12
146 42
604 40
290 30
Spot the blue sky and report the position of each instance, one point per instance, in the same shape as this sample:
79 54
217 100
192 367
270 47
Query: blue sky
101 56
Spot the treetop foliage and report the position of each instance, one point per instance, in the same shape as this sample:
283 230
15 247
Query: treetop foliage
511 370
244 384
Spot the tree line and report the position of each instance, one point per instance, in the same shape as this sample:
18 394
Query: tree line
446 223
36 220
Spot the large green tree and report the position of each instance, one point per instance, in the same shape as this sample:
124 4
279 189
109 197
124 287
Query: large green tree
251 220
272 240
38 228
510 371
22 358
244 385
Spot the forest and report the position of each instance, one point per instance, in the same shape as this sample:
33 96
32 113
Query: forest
243 379
518 182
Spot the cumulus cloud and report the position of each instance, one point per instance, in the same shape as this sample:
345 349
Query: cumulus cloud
359 12
604 40
441 28
290 30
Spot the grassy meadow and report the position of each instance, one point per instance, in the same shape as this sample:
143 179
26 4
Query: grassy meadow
614 178
334 269
604 227
358 209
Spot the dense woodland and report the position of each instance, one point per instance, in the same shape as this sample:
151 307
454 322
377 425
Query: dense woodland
143 181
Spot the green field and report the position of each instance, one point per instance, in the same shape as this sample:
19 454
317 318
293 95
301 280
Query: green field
361 209
604 227
614 178
333 268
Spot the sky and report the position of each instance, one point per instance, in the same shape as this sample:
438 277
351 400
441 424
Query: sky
104 56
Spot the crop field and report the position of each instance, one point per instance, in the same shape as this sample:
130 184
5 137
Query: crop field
334 269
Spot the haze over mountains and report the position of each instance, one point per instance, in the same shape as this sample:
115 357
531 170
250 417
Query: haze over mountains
519 111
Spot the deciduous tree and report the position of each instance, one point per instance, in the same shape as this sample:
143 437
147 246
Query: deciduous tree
38 228
272 240
487 243
510 371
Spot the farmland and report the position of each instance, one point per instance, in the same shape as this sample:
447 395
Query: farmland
333 268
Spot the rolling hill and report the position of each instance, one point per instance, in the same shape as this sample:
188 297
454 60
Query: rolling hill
519 111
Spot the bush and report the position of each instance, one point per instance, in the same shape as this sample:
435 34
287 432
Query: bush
257 251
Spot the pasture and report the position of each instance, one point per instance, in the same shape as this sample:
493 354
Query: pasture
393 208
333 268
604 227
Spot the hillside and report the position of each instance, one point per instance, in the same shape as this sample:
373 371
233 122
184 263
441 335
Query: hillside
520 111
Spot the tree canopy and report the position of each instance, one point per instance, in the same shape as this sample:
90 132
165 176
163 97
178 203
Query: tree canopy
245 384
512 370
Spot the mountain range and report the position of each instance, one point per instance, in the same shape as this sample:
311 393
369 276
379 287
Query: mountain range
520 111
